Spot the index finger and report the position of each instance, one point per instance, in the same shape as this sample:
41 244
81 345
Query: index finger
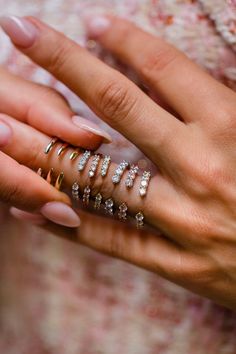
110 94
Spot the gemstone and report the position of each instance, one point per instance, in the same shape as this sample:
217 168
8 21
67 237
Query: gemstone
75 187
123 207
144 183
142 192
109 203
91 174
139 217
116 179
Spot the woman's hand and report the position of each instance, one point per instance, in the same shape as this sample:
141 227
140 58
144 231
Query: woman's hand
192 200
46 110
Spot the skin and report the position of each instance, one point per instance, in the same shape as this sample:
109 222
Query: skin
192 199
45 109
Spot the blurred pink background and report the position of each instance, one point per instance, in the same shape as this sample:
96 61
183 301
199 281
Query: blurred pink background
60 298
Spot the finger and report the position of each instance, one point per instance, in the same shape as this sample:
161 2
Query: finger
155 206
47 111
181 83
112 96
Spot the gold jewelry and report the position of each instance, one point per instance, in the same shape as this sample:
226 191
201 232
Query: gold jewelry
74 155
59 181
49 176
62 149
40 172
50 146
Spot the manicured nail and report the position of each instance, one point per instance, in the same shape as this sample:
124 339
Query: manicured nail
60 214
96 25
91 127
21 31
5 134
35 219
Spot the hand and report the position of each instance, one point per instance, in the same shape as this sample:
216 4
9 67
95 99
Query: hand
44 109
192 200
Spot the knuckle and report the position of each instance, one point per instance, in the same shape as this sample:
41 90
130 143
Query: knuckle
157 61
61 55
116 101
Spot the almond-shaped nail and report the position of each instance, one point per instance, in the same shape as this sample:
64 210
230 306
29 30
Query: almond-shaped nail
21 31
5 134
91 127
96 25
60 214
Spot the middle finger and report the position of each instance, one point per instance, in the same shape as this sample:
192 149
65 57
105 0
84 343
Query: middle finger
111 95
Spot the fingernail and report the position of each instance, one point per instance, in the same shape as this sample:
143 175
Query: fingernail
21 31
96 25
60 214
5 134
91 127
35 219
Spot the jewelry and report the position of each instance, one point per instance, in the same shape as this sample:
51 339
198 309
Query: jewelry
139 220
49 176
40 172
59 181
86 195
122 215
62 149
144 183
50 145
109 206
98 201
133 172
74 155
94 166
119 172
83 161
75 191
105 165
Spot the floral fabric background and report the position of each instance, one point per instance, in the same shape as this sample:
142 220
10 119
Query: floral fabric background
61 298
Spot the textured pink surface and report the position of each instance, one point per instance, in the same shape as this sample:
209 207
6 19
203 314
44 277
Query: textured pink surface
57 297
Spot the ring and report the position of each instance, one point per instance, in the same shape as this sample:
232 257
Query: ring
144 183
74 155
75 191
122 215
139 220
86 195
50 145
62 149
109 206
133 172
59 181
49 176
98 201
94 166
105 165
83 161
119 172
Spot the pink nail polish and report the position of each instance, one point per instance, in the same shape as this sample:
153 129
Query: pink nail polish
35 219
5 133
96 25
60 214
21 31
91 127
